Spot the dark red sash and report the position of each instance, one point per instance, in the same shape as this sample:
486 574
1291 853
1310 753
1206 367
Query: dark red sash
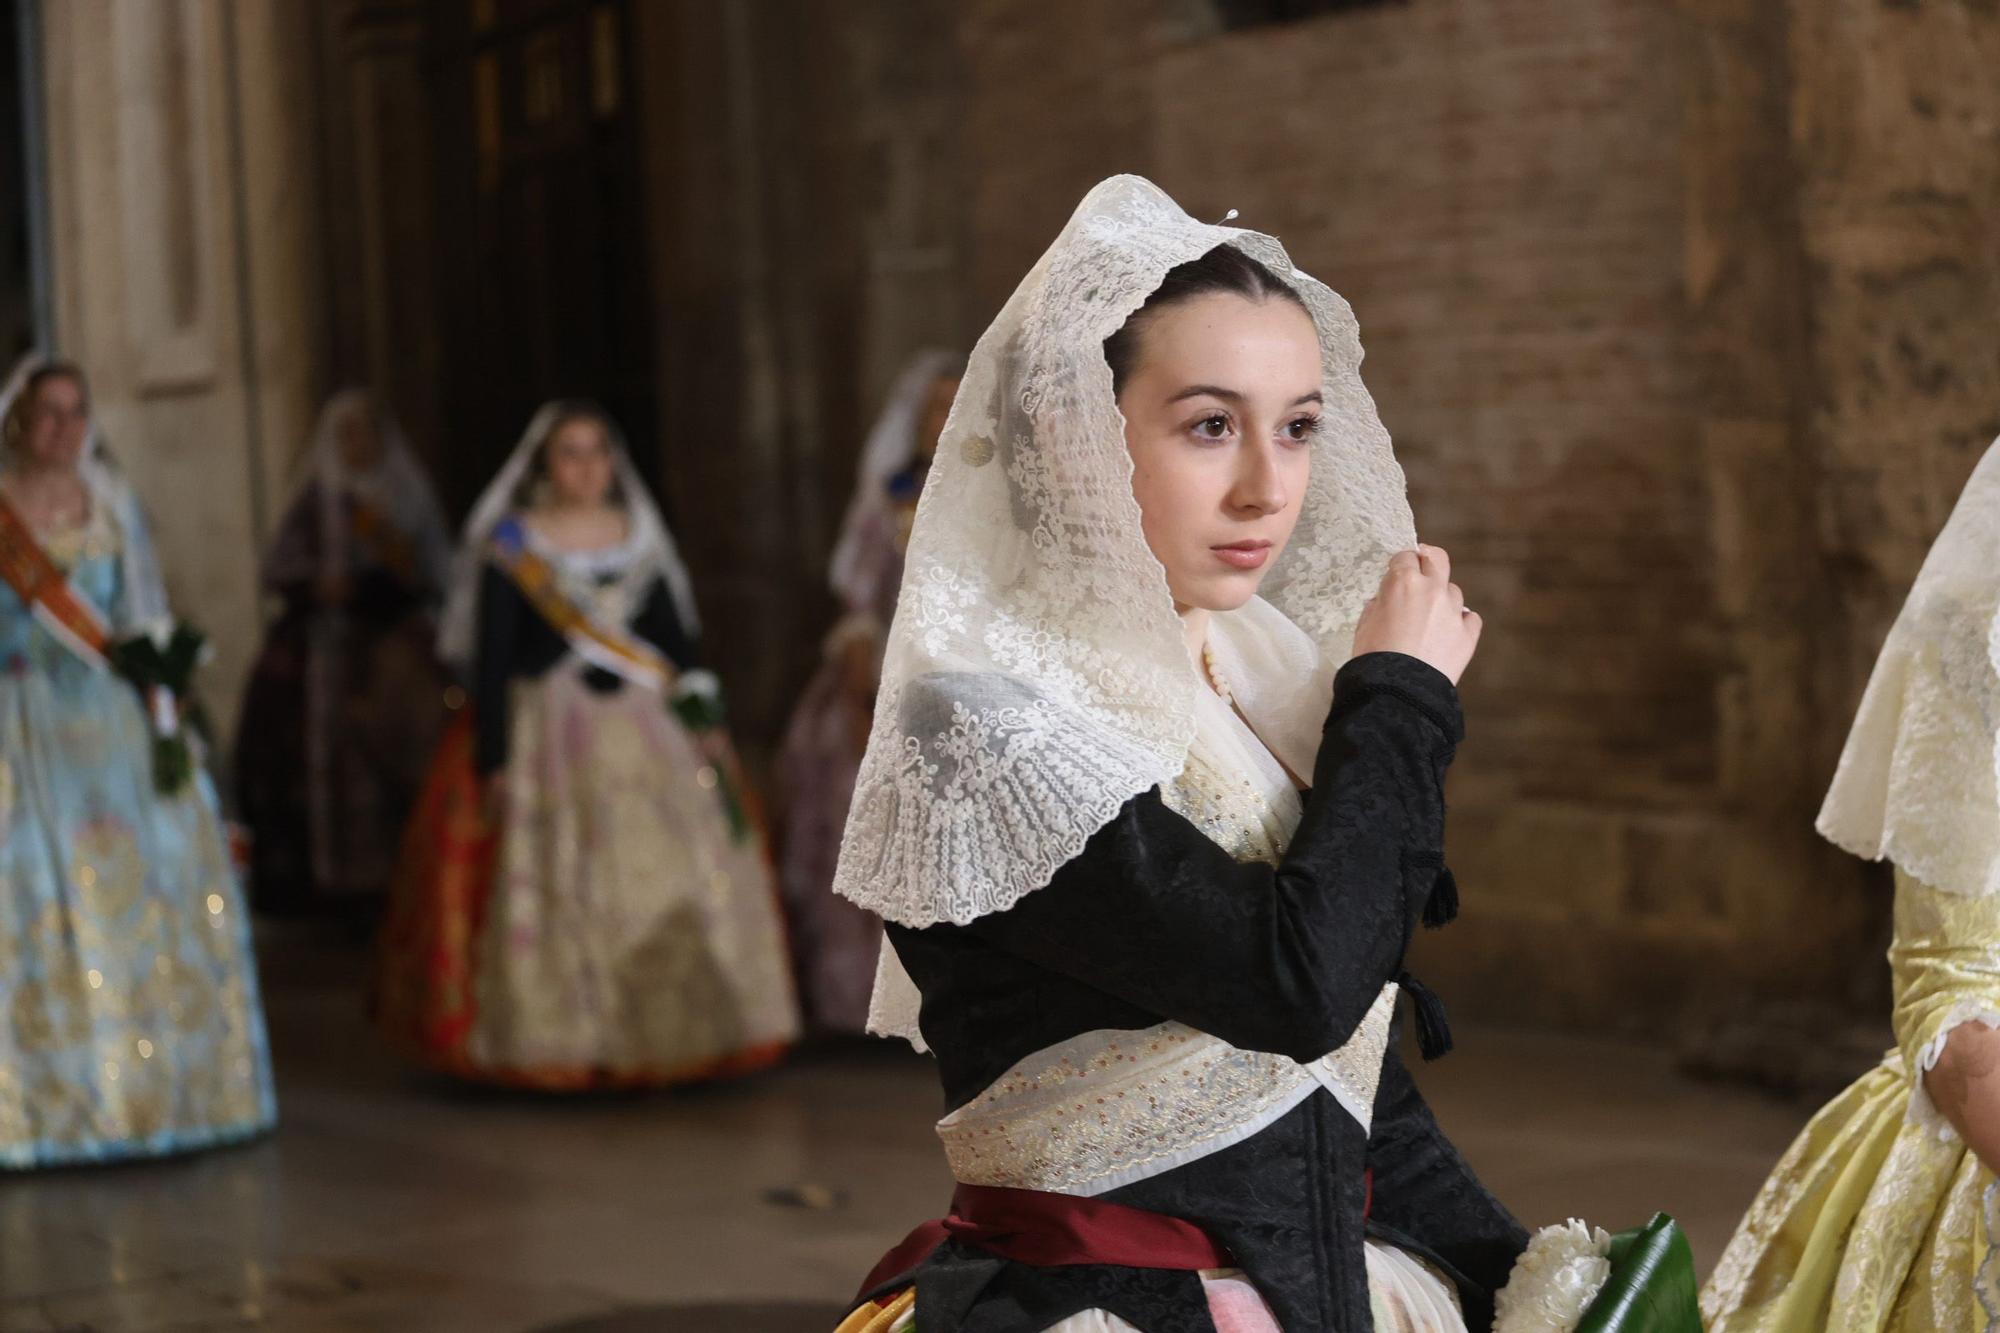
1053 1230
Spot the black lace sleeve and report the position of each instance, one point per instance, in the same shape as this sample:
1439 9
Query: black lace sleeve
1286 958
660 625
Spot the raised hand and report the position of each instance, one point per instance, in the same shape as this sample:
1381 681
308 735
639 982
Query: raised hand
1420 612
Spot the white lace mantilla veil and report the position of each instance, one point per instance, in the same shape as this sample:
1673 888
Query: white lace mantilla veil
397 485
142 606
891 446
648 548
1917 780
1036 677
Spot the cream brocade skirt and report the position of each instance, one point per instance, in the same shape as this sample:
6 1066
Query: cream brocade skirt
628 930
1877 1217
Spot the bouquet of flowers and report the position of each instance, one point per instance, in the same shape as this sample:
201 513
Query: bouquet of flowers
161 669
1579 1279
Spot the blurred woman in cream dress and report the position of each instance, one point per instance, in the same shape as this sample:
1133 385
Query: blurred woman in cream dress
584 899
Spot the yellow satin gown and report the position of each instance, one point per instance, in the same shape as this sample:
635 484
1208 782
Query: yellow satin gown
1877 1219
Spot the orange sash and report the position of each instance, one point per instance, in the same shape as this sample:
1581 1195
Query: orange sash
37 580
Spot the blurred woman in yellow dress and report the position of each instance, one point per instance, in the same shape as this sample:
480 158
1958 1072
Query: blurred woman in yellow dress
1883 1214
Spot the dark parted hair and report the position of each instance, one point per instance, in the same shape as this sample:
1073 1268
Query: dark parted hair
1224 269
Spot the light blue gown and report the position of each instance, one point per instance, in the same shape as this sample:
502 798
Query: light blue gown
130 1023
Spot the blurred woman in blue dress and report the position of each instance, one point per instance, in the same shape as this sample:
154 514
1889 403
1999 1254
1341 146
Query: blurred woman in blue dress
130 1023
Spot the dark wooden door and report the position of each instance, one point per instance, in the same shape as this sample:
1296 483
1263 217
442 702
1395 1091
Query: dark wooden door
539 234
19 191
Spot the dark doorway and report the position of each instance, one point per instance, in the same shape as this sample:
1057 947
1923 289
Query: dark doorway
20 194
540 241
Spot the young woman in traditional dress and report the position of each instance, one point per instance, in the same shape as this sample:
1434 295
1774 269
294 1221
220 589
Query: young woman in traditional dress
347 699
1883 1217
584 898
1152 846
129 1016
834 943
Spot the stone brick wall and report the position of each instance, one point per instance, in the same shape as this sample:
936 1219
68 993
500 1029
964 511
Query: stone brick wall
180 163
1897 144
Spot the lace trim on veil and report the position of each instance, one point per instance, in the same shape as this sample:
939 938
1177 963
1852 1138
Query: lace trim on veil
1919 777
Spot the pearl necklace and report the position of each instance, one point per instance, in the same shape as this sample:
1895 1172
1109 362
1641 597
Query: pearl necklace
1218 681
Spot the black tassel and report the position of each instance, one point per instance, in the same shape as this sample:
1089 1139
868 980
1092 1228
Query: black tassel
1433 1029
1441 908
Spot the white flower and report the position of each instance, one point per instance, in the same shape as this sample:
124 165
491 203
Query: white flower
1554 1281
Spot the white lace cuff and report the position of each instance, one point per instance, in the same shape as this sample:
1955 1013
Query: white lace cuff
1923 1111
1555 1280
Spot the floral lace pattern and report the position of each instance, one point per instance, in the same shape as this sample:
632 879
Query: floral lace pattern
1916 782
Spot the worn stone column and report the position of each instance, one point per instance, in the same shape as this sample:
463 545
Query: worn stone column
181 268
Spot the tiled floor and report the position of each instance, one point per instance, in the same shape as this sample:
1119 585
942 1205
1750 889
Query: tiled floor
393 1202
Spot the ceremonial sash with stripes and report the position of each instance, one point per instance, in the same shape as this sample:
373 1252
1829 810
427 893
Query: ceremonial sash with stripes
37 580
607 646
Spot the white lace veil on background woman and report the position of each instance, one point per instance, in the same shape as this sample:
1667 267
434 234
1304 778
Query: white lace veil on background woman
890 448
1036 676
396 485
143 607
1917 780
648 548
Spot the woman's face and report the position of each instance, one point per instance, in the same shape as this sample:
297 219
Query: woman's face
360 440
937 407
55 423
579 462
1221 408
